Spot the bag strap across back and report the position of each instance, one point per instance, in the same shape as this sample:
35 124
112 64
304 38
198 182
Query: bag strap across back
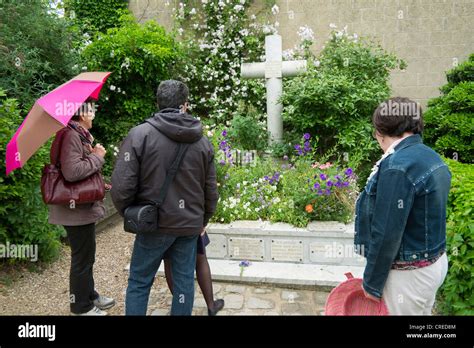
171 172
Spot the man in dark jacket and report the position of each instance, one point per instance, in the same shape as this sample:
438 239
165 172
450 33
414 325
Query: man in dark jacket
139 173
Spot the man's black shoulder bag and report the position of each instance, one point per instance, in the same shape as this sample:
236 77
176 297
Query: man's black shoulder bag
143 218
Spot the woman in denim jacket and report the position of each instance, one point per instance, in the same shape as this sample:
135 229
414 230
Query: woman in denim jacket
400 222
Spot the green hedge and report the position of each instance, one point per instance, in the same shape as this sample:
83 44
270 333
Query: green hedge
449 119
23 215
456 295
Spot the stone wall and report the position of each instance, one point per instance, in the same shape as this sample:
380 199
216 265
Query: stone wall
431 35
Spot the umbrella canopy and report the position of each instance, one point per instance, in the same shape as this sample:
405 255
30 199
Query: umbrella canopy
49 114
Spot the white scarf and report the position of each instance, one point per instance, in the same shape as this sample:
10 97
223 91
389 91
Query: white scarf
390 150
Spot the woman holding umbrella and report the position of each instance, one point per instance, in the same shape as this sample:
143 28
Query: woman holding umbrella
79 160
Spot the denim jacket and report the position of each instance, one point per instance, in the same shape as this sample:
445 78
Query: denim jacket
401 213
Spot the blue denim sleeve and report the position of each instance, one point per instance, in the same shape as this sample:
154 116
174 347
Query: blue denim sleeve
393 202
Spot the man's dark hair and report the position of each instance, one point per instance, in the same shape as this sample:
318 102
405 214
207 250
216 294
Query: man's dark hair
171 94
398 115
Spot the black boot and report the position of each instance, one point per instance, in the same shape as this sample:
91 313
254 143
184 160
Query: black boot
218 305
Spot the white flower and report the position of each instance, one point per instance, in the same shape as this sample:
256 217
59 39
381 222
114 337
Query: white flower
112 88
332 26
306 33
17 62
339 34
317 63
275 10
192 12
238 8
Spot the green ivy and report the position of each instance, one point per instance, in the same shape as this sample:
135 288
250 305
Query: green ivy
94 16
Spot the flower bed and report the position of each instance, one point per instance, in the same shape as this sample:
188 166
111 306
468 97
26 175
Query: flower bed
294 190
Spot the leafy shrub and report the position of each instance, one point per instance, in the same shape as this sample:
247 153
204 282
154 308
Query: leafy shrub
247 133
36 51
23 215
456 292
449 121
336 98
139 57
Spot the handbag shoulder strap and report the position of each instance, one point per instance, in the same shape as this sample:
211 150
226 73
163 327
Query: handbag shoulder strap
58 145
171 172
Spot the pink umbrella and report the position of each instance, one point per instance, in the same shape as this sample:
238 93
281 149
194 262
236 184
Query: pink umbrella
49 114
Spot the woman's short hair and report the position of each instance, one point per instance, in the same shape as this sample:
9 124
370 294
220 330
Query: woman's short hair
398 115
82 108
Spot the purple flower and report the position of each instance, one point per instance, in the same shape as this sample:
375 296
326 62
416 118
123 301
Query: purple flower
244 263
338 177
348 172
323 177
345 183
329 183
317 186
285 158
320 192
266 177
327 192
224 133
307 136
338 184
222 162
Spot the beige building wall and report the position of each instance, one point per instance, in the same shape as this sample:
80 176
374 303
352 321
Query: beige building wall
430 35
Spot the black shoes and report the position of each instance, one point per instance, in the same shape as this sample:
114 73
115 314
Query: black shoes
218 305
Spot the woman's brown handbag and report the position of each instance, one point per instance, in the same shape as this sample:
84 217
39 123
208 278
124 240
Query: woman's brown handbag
56 190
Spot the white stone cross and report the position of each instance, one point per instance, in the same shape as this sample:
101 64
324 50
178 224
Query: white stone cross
273 70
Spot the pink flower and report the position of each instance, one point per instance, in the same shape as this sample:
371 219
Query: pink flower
325 166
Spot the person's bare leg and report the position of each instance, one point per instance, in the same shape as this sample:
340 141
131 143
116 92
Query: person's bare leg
168 275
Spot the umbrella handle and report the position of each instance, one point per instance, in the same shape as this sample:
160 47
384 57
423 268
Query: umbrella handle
349 275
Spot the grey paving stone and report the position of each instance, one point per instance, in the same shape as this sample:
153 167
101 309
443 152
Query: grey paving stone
295 309
234 301
320 297
259 303
160 312
237 289
263 291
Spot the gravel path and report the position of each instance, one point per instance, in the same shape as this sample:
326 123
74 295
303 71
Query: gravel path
47 292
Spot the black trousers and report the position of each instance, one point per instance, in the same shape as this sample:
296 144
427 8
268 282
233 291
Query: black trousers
81 280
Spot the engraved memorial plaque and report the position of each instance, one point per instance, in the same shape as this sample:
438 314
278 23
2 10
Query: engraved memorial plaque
217 248
246 248
318 252
287 250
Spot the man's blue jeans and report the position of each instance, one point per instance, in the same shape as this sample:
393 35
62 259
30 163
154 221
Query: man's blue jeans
148 252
